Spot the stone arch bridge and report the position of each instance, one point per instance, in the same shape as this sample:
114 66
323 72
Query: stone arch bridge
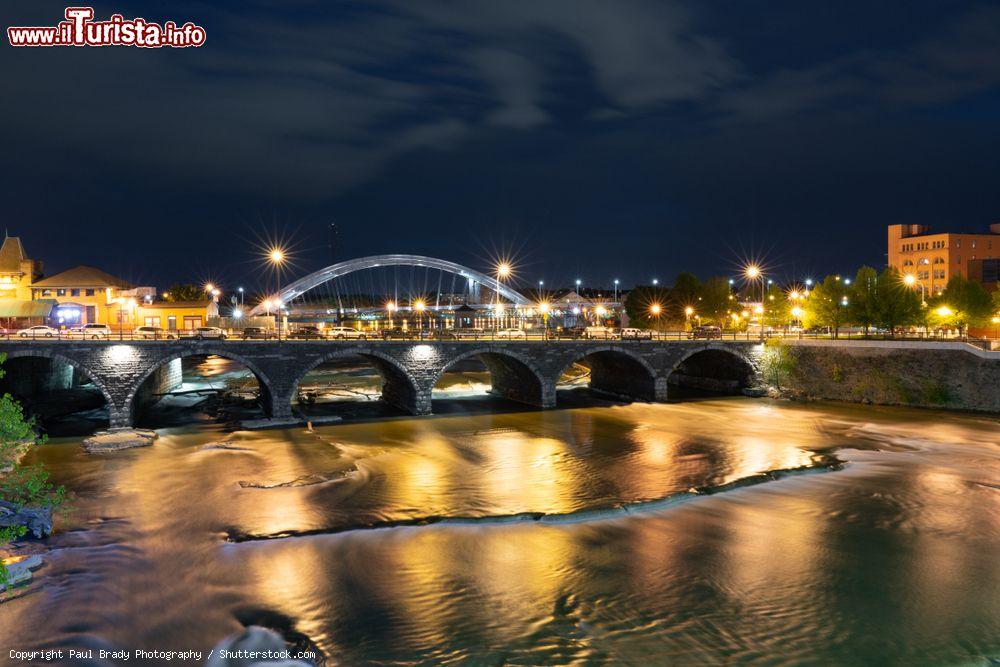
525 371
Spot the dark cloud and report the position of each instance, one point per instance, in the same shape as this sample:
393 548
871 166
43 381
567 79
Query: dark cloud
676 120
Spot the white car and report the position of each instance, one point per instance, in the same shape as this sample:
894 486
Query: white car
39 331
636 334
92 331
342 333
155 333
603 333
201 333
511 334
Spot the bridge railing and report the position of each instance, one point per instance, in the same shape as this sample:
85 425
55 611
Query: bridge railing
537 335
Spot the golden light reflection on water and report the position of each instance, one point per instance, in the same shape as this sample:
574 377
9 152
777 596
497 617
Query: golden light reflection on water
895 551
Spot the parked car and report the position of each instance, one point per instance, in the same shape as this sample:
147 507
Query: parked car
92 331
631 333
468 332
155 333
40 331
305 333
202 333
395 333
511 334
706 331
599 332
259 333
342 333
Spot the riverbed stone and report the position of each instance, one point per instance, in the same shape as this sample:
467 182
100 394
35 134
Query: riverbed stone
254 639
38 520
117 439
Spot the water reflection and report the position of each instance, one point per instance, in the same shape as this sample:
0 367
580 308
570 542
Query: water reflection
889 560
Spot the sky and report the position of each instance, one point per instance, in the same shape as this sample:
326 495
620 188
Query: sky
590 139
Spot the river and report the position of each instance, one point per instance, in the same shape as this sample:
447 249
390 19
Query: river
569 536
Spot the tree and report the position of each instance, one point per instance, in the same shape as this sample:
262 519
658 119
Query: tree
20 485
185 292
864 298
642 302
827 306
684 294
898 303
777 309
963 303
716 301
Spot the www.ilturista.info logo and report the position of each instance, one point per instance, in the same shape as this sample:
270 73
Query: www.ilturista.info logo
79 29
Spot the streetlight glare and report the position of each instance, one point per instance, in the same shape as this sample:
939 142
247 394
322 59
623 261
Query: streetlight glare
909 279
209 287
276 255
543 307
503 270
419 305
752 272
655 309
944 311
689 311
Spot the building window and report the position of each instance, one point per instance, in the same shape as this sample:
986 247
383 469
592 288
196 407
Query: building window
46 292
60 292
89 292
958 243
172 322
907 262
74 292
192 322
973 243
152 321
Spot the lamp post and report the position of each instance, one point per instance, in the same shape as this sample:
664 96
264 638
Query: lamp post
240 290
911 280
276 256
543 308
753 272
503 271
419 306
616 290
389 307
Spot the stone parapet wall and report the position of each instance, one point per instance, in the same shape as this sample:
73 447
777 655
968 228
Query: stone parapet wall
936 375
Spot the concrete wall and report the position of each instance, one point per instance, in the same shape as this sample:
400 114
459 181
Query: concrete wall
937 375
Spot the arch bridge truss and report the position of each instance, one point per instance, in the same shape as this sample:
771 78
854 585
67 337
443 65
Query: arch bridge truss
334 271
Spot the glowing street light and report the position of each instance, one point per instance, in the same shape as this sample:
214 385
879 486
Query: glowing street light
419 307
944 311
655 310
752 272
656 281
276 255
689 311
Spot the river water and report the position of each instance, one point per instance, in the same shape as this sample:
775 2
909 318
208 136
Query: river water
560 537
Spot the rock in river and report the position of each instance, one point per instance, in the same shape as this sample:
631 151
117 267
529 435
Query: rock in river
113 440
38 520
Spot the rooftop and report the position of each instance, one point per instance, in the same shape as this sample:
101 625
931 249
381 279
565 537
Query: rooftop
81 276
11 255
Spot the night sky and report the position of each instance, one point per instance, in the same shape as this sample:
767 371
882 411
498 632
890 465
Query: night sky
592 139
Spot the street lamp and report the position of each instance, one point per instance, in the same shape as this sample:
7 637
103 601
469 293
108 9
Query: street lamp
616 290
240 290
276 256
543 308
753 272
419 306
389 307
656 281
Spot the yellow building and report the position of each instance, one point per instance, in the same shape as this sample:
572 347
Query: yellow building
177 315
87 295
17 272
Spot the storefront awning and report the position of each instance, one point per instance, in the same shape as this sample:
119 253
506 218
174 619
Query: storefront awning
19 308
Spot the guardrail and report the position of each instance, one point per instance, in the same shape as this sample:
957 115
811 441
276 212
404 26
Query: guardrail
488 335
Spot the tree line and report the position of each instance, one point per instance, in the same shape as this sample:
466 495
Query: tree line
872 300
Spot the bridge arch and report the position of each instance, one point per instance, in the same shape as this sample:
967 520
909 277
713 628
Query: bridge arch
202 350
713 368
399 387
334 271
114 407
618 371
513 376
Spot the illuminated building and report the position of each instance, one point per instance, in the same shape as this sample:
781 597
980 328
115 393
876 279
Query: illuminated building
934 258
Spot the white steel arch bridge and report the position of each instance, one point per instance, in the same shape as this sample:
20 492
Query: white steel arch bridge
287 293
